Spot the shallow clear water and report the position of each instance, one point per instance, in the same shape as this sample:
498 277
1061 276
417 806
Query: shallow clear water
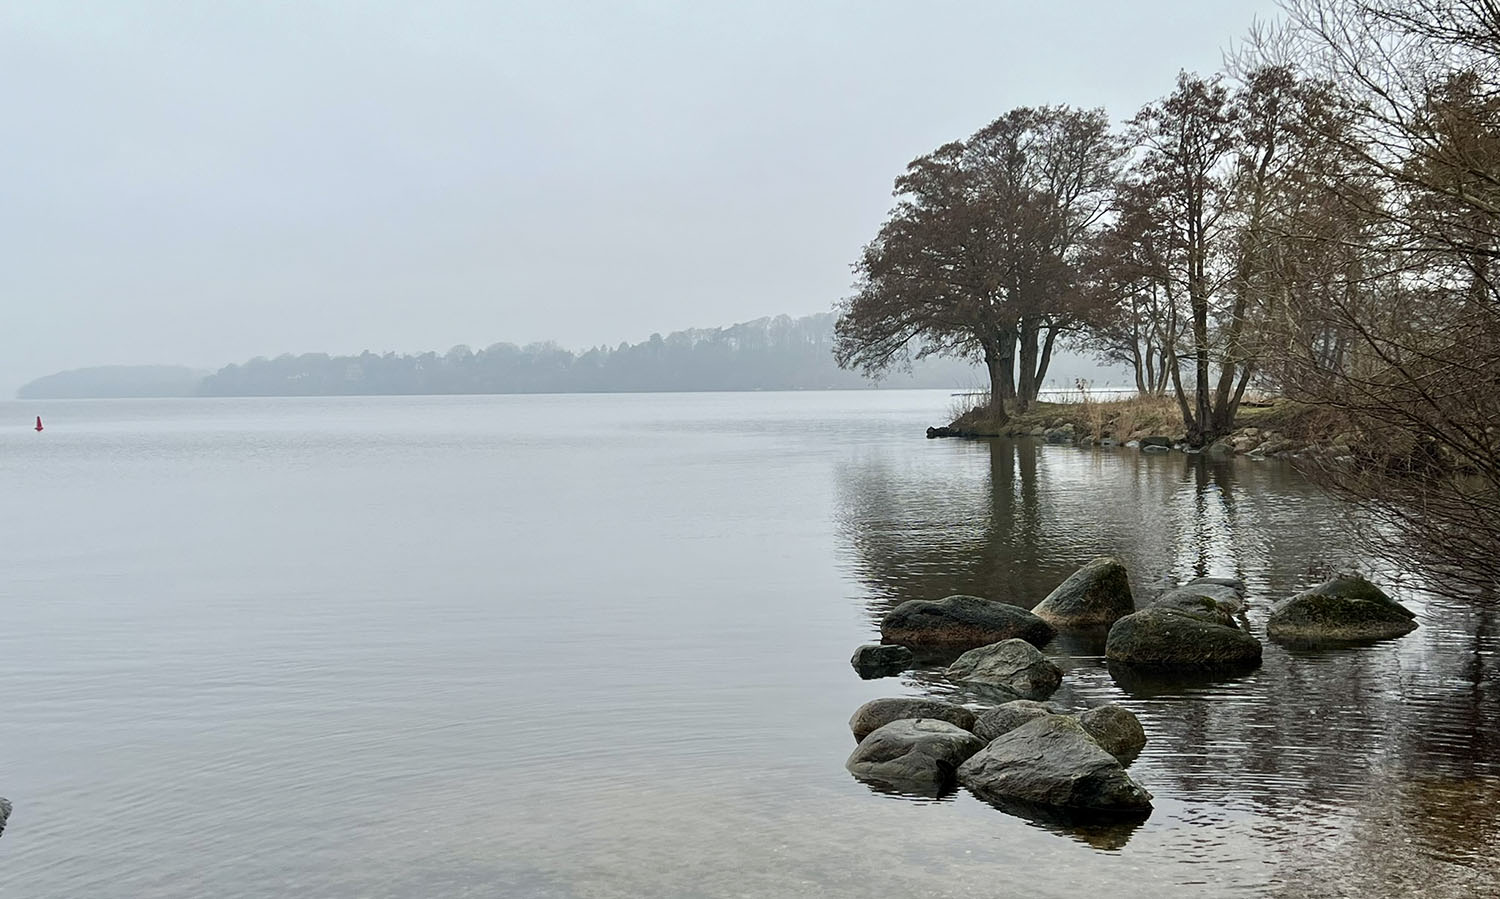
598 646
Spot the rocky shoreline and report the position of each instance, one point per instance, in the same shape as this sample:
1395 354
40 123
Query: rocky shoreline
1278 431
1256 443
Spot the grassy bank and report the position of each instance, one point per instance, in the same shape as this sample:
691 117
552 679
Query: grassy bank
1280 427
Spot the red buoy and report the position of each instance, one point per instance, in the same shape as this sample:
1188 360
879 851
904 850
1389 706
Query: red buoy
38 422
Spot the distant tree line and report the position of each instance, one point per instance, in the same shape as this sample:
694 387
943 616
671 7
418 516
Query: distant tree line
1319 220
779 353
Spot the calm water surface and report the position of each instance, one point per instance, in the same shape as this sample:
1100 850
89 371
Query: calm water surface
597 646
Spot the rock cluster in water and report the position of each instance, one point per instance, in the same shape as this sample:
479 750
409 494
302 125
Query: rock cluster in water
1025 754
1020 751
927 746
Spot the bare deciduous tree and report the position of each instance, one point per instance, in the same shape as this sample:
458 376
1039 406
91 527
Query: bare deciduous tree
981 255
1405 275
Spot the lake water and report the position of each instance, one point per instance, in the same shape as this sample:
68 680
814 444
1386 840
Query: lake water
597 646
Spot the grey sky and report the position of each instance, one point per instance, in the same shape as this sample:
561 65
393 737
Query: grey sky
204 182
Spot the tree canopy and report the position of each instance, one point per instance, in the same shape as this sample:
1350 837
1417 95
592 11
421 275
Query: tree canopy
980 257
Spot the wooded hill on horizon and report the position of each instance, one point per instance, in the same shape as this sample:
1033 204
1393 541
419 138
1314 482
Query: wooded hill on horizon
771 353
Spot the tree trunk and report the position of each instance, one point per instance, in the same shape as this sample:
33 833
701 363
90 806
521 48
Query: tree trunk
1202 418
1026 386
1233 411
1005 380
1043 362
1000 380
1187 412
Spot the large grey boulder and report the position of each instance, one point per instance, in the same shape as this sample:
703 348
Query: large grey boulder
1004 718
879 712
1095 595
1116 730
1052 761
1012 665
1346 608
879 660
917 754
1172 638
961 622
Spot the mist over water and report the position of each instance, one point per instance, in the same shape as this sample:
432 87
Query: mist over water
598 646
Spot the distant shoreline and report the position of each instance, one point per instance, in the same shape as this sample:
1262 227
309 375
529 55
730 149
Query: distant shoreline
768 354
950 390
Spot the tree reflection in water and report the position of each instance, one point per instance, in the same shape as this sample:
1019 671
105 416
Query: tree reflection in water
1355 769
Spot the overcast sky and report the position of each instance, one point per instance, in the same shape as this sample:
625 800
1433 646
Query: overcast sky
203 182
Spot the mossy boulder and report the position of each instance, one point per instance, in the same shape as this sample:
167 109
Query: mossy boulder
1053 761
1005 718
1096 595
961 622
1173 638
1193 601
1014 666
879 712
880 660
1345 609
1116 730
918 755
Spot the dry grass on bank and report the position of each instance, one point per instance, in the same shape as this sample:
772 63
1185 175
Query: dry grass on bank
1119 418
1139 416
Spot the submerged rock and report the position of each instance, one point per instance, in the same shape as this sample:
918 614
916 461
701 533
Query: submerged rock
1012 665
919 755
879 712
1344 609
1227 593
1233 584
1116 729
1096 595
1062 434
1053 761
961 621
1199 602
880 660
1168 637
5 808
1005 718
